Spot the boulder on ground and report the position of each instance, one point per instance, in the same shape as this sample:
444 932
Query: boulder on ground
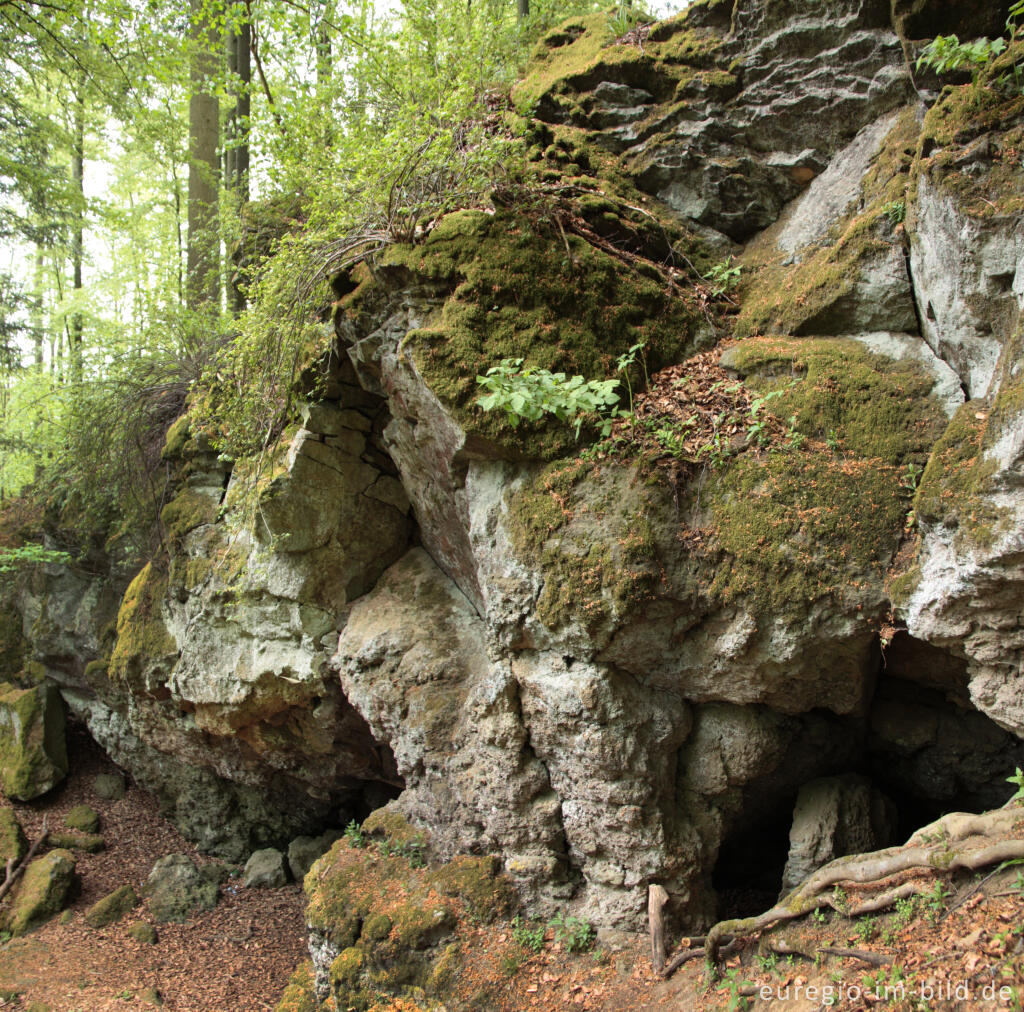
304 850
176 888
143 931
13 845
91 843
109 786
33 752
112 907
833 817
265 870
41 893
82 818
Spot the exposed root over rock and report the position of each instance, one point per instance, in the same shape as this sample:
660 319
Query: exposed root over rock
863 883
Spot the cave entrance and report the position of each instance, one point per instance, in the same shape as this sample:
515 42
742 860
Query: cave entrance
748 874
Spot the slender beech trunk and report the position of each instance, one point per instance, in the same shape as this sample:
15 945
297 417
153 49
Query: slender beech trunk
202 277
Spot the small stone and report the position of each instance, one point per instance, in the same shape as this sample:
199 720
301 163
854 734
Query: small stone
91 843
151 995
13 844
83 818
33 752
109 786
265 870
112 907
143 931
66 918
176 888
41 892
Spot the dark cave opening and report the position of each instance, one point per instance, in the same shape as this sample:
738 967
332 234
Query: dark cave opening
748 874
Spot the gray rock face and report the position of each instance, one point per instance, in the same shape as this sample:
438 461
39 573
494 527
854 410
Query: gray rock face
836 816
176 889
734 170
969 283
265 869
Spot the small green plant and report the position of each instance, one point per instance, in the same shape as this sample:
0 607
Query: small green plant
529 936
527 394
906 907
768 961
1018 781
946 53
625 362
840 900
14 559
354 835
414 850
895 211
911 477
732 982
624 19
866 929
757 424
832 440
794 438
935 901
574 933
723 277
819 916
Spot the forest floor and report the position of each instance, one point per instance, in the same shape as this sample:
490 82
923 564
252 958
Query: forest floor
962 947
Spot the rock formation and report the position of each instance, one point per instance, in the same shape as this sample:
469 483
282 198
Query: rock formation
606 668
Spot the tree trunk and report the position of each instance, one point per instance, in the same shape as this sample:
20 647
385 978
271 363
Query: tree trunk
78 232
202 277
522 9
37 307
237 146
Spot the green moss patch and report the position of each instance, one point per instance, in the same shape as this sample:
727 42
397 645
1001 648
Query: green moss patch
800 524
838 390
142 637
522 288
13 845
41 893
83 818
300 994
33 751
978 123
589 530
187 511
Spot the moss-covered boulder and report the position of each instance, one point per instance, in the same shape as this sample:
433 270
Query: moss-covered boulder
383 925
91 843
13 845
83 818
300 994
41 893
112 907
143 932
33 752
176 889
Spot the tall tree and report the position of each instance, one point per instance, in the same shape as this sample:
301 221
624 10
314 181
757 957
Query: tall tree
236 149
202 278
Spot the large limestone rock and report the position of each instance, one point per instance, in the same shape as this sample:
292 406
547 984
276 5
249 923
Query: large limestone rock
33 752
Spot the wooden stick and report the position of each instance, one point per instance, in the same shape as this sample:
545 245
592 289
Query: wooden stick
656 900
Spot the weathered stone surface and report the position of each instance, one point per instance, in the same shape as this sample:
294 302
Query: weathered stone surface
968 282
112 907
82 818
109 786
176 888
265 869
33 752
143 932
41 893
13 845
833 817
303 851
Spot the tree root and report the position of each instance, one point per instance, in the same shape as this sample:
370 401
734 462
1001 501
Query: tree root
956 841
